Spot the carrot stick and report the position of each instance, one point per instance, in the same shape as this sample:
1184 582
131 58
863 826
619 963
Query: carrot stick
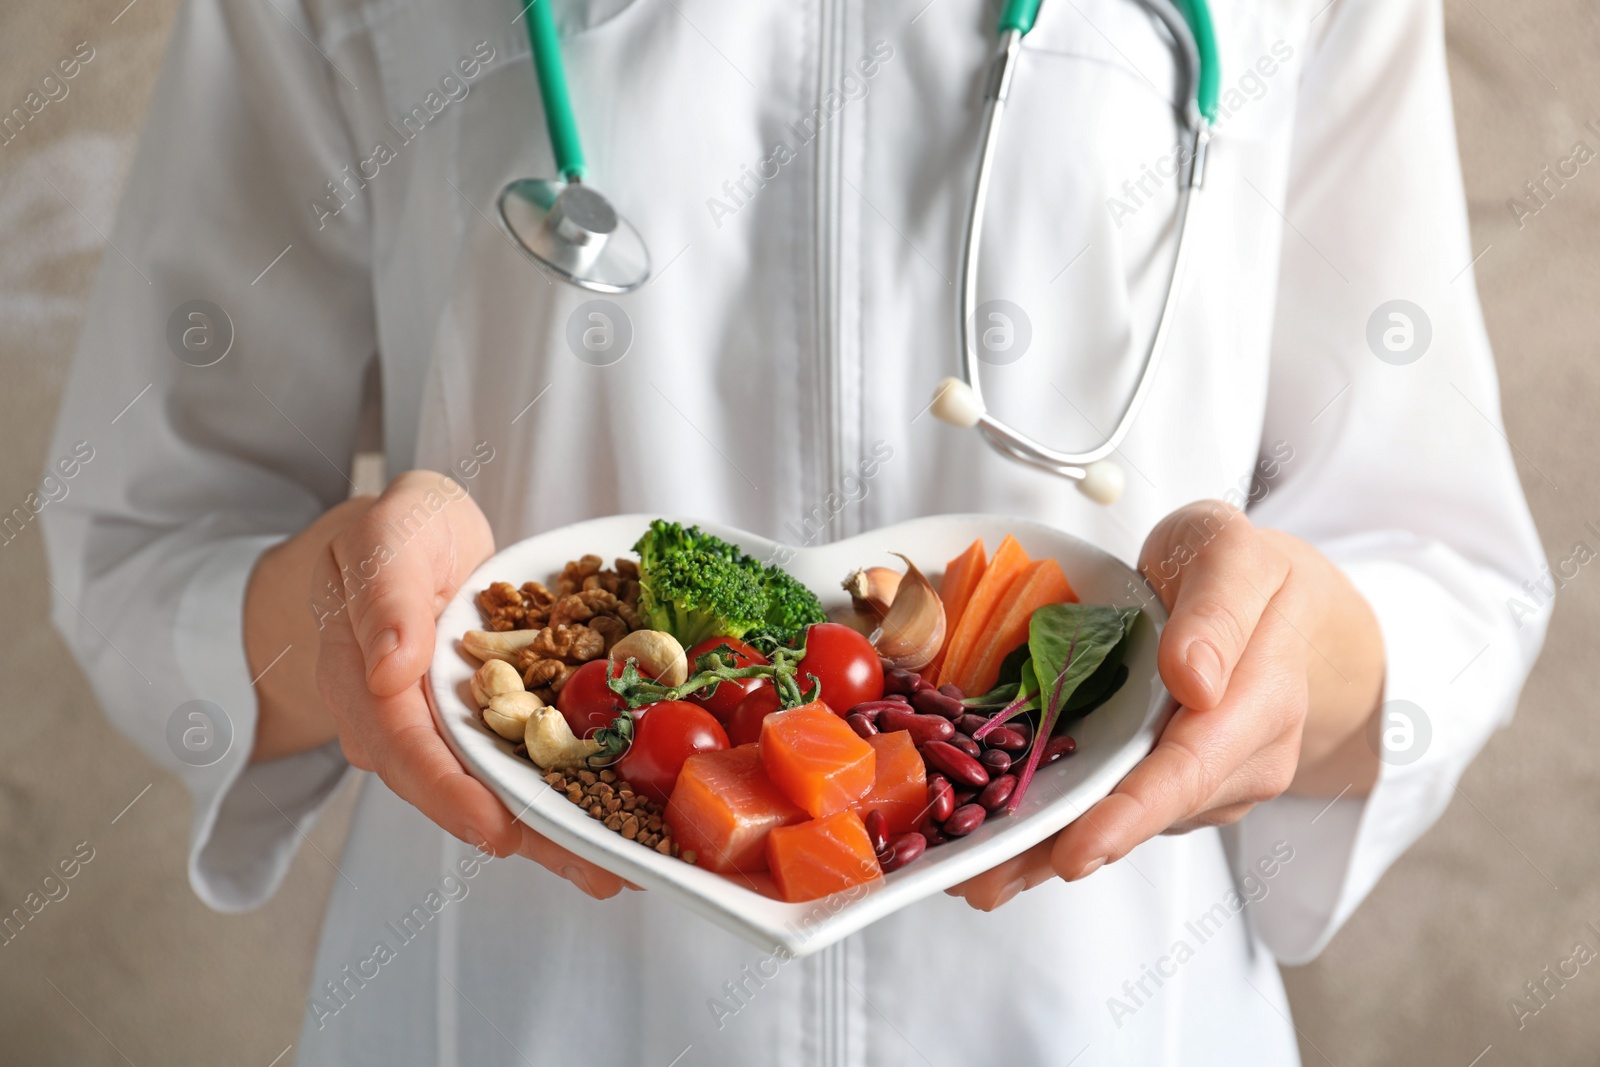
1040 583
955 590
1008 562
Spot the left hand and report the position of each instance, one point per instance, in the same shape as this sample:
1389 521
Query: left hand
1276 663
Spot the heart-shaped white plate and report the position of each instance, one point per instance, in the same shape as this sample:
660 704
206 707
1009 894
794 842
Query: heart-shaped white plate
1110 740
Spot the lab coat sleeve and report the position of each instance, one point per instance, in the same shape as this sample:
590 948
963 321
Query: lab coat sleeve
1401 472
195 471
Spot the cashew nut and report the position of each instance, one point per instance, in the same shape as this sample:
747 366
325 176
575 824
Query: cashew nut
497 644
552 744
658 654
495 677
507 714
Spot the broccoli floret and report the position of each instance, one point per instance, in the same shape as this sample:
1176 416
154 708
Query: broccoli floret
664 538
693 594
779 607
791 607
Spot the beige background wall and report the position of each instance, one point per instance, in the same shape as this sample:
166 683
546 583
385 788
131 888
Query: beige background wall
131 968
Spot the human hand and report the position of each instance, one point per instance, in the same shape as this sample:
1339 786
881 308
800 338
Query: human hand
1263 631
399 561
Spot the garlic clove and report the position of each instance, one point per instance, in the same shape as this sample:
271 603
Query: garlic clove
864 623
507 714
873 589
913 630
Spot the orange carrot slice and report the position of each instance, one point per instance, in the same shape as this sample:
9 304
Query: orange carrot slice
820 857
955 590
1008 562
1040 583
816 758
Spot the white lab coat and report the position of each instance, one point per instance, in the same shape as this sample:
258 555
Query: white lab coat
794 326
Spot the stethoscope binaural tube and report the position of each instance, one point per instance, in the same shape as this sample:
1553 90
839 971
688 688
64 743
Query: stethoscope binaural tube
959 401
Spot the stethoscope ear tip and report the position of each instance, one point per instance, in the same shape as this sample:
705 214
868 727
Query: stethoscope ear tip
1102 482
955 402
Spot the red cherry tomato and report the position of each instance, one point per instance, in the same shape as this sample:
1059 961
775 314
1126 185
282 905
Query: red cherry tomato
744 725
844 662
664 736
586 702
724 699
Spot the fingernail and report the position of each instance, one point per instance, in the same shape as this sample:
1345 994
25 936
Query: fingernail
1089 868
1011 890
1203 659
382 643
577 878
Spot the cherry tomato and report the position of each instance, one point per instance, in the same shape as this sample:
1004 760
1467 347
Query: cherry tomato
744 725
586 702
724 699
664 736
844 662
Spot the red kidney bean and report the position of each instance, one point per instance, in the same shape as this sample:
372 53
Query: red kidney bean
955 764
861 724
877 830
964 820
932 833
933 702
920 684
923 728
967 745
969 723
1023 727
1058 747
902 850
873 708
1004 737
997 792
966 796
941 797
899 680
996 761
953 691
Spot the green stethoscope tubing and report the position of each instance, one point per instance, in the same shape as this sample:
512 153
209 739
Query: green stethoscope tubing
546 46
1019 15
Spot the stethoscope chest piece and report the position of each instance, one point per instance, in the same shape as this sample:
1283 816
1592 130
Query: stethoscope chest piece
573 230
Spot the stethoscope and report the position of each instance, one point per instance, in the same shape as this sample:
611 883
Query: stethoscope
569 227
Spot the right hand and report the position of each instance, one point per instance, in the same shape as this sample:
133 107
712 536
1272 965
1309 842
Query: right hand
408 551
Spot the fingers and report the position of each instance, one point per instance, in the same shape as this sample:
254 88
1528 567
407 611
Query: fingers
1208 766
595 881
394 567
396 738
1216 575
998 885
399 564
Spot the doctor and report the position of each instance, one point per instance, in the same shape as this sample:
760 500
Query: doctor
322 176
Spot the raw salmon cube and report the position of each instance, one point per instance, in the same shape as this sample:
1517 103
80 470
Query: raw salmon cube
900 785
820 857
816 758
724 805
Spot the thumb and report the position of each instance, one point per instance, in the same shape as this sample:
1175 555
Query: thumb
1215 576
405 558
